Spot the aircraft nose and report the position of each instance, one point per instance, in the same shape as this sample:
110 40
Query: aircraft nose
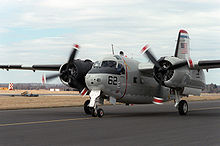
94 81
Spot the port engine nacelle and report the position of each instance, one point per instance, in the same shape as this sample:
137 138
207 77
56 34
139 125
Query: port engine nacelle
74 76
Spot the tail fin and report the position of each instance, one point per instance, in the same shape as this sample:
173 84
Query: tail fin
182 46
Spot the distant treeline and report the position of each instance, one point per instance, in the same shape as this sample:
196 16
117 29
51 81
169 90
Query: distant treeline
38 86
210 88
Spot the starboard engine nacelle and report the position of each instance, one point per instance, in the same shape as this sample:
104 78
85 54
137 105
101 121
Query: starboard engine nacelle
170 77
75 76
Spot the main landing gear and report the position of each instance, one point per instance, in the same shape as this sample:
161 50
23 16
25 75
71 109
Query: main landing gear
94 111
181 105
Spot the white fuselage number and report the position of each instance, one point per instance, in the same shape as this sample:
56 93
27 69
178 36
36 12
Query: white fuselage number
112 80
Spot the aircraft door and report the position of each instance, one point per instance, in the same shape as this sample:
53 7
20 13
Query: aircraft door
122 78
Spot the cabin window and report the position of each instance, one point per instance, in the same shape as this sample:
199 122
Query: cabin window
135 80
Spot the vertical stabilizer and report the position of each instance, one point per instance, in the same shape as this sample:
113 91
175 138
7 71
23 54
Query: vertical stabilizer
182 46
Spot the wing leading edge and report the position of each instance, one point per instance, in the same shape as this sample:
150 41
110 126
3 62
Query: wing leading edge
54 67
207 64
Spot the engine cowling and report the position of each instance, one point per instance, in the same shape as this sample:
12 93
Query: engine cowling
173 78
74 76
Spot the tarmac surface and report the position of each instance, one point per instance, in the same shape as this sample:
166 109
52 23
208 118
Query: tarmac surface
121 125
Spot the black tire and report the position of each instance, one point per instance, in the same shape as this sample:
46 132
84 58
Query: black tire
87 109
94 112
100 112
183 107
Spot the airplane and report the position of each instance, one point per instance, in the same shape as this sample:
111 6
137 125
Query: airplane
118 78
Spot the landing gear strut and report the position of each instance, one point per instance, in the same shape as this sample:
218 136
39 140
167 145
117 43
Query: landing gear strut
94 111
87 109
181 105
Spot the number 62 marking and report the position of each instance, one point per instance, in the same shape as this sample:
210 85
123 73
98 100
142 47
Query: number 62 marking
112 80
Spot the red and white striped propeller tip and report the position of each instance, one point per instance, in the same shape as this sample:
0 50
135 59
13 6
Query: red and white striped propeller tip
76 46
145 48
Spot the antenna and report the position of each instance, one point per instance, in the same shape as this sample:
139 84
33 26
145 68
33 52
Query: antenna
113 50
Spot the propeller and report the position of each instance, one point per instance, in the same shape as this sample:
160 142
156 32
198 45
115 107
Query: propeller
73 74
146 50
69 63
51 77
163 70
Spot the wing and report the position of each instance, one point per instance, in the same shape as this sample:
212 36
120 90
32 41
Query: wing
146 69
207 64
54 67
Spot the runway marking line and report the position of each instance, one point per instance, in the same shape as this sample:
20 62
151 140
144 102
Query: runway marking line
51 121
42 122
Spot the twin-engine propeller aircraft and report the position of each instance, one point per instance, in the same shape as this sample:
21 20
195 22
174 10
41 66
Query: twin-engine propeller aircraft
122 79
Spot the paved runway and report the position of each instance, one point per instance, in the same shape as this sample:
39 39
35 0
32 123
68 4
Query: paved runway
121 125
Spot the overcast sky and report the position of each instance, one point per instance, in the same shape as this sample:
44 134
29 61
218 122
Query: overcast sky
43 31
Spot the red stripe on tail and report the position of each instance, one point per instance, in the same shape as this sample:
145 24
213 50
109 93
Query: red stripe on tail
183 31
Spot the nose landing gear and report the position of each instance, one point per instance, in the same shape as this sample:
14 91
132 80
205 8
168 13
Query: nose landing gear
94 111
87 109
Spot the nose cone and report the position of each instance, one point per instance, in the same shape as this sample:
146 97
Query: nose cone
94 81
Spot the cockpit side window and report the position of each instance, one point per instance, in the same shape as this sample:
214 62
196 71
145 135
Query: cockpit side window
109 64
117 57
97 64
121 68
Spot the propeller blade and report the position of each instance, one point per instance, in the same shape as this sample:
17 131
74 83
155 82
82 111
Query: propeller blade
149 54
52 76
73 54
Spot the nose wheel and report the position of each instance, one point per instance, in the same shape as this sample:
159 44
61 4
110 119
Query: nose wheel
97 112
94 111
100 112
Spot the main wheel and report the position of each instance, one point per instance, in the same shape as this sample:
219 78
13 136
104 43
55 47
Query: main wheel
87 109
100 112
183 107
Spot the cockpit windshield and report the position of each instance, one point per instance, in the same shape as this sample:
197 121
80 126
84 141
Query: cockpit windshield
109 63
97 64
